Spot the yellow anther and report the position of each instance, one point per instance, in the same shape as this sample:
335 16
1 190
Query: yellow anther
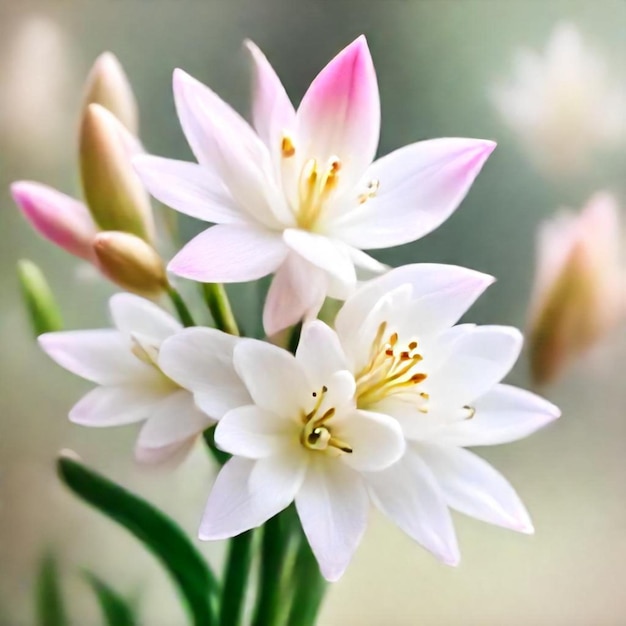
286 147
370 192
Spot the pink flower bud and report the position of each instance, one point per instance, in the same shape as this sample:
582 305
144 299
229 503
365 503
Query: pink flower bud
62 220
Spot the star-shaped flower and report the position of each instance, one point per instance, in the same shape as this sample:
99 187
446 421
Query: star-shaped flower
300 195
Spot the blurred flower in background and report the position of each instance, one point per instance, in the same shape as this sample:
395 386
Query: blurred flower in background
579 285
563 104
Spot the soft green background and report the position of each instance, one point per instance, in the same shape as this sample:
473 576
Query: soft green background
436 60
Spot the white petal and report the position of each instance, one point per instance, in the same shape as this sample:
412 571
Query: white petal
477 361
322 252
173 420
320 353
272 111
171 455
101 356
132 314
332 505
408 493
201 360
275 380
366 262
471 486
297 292
419 187
340 113
224 143
230 253
283 472
254 433
503 414
189 188
376 440
115 406
232 508
426 280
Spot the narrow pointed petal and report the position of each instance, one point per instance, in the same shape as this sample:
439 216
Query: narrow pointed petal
57 217
101 356
407 493
117 405
471 486
132 314
332 505
426 280
320 353
297 292
503 414
201 360
376 440
477 361
272 111
230 253
418 188
275 380
232 508
322 252
172 421
224 143
254 433
339 115
189 188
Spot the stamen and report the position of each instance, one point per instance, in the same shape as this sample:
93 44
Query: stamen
471 410
340 445
370 192
286 147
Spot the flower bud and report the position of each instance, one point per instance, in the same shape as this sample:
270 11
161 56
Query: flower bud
114 194
108 86
57 217
579 295
40 304
130 262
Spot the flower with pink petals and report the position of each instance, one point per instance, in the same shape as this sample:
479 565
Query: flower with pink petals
300 195
132 386
579 293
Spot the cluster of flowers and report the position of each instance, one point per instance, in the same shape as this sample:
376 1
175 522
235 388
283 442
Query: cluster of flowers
377 407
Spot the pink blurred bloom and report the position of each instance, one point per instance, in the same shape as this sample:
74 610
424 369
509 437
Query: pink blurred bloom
298 196
579 285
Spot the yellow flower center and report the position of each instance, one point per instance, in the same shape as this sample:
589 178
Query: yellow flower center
316 183
391 369
316 433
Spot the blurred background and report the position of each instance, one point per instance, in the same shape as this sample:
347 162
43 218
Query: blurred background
439 63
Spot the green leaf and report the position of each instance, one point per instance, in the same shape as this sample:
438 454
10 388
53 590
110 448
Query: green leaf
40 304
158 533
50 605
115 609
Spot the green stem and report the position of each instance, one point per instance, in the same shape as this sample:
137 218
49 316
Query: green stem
273 558
309 587
181 307
217 300
236 579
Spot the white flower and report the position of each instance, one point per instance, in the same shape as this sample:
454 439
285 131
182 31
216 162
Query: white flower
563 104
132 387
440 382
299 437
299 196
